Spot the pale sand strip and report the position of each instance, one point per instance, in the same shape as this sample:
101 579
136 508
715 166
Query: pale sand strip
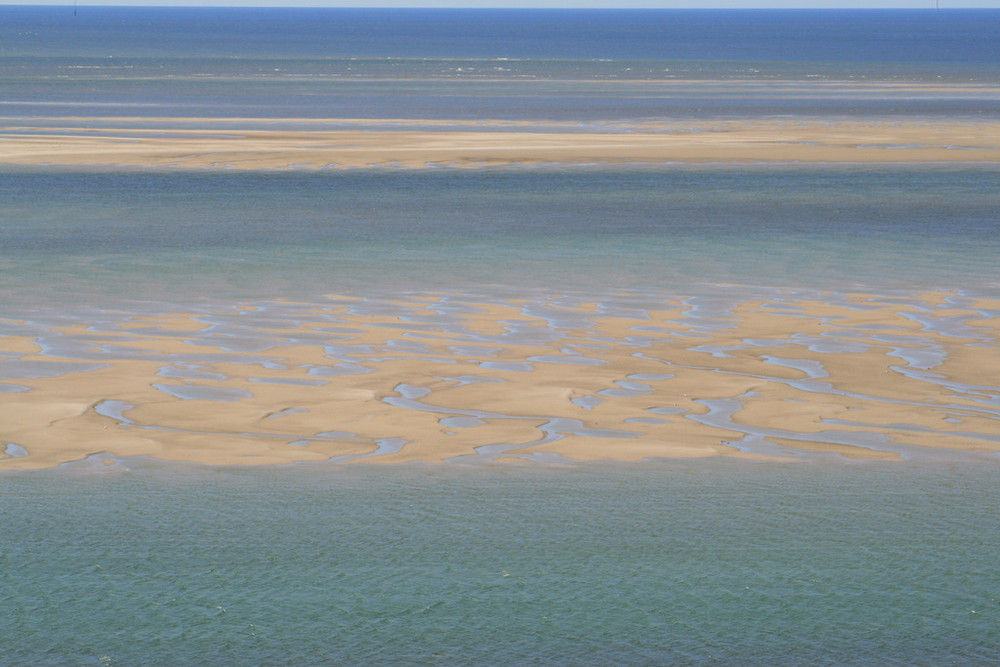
767 141
610 389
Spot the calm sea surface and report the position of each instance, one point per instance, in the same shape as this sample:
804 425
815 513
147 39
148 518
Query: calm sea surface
686 563
108 238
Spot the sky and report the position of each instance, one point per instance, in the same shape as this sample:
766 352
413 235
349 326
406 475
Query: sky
665 4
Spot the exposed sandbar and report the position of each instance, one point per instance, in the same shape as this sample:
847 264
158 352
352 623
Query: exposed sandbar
786 380
731 141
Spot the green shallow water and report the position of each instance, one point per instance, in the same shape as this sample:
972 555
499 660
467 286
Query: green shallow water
667 563
110 238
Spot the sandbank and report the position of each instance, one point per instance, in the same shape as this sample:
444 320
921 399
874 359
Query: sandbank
145 143
845 378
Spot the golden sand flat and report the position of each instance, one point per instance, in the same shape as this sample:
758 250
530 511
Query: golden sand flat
858 377
522 143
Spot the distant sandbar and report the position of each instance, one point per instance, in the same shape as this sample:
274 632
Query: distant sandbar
454 145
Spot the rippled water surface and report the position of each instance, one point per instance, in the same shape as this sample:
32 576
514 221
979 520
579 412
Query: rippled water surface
656 564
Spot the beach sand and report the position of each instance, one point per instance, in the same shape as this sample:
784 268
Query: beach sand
785 380
143 143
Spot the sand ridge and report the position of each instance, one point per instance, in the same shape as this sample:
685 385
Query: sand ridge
869 141
352 380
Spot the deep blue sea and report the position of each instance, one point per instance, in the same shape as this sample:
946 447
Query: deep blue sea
587 66
830 562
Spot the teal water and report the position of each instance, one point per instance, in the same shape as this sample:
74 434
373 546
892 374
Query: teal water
109 238
658 564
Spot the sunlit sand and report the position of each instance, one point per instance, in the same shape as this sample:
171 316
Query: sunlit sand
515 144
856 377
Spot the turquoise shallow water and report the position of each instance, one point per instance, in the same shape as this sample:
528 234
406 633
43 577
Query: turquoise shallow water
77 239
655 564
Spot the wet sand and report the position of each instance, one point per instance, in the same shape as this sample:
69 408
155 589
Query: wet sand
145 143
441 379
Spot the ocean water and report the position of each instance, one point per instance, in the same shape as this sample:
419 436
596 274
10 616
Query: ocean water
595 66
150 238
130 561
637 565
